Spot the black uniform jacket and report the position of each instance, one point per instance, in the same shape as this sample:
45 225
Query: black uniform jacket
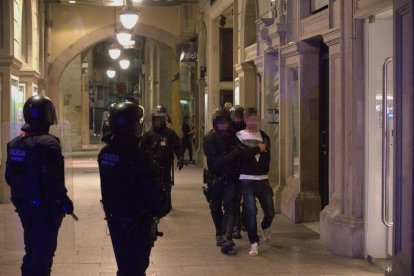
128 183
162 145
221 152
35 169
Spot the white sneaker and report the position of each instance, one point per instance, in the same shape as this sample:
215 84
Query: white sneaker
266 234
254 249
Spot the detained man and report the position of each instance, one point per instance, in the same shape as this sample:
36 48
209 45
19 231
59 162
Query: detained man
254 181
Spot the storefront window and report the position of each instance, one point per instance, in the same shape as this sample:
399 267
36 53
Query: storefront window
236 91
318 5
25 33
17 102
188 88
293 121
35 35
17 23
35 91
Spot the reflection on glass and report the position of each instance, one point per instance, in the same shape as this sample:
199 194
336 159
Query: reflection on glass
188 88
294 121
18 92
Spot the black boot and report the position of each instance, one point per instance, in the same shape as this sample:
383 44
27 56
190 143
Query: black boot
227 247
219 240
237 235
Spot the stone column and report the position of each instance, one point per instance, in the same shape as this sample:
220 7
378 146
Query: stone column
300 197
271 84
175 96
84 107
201 129
247 78
341 222
213 67
8 66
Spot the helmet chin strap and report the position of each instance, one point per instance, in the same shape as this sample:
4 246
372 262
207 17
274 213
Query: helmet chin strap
159 128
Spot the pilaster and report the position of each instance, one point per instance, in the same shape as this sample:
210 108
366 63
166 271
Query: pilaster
247 77
300 195
342 230
201 130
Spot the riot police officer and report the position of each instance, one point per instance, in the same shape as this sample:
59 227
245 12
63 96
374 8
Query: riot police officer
237 119
130 195
105 121
35 173
237 124
221 150
162 143
106 130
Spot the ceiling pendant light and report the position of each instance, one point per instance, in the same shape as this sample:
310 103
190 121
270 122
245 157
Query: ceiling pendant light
124 63
110 73
129 17
123 37
114 51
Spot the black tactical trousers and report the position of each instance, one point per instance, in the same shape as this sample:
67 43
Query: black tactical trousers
131 242
41 226
223 197
237 214
166 184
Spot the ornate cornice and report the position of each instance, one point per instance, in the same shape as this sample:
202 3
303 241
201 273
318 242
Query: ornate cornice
243 67
294 49
263 24
11 61
259 62
332 37
314 25
29 73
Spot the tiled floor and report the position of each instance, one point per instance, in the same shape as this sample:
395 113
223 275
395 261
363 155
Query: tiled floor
188 246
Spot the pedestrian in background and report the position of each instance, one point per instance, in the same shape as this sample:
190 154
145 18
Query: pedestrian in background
187 138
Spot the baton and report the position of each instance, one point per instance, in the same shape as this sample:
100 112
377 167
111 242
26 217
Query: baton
75 217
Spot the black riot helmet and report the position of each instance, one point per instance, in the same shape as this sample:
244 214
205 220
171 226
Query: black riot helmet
111 107
124 119
159 117
237 118
39 112
220 116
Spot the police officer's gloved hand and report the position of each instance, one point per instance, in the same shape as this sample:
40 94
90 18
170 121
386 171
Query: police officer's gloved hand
180 163
66 206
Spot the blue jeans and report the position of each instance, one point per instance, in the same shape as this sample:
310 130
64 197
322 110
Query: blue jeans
264 193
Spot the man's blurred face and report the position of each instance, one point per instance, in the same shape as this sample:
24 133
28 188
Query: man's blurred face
158 121
251 122
238 119
223 126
